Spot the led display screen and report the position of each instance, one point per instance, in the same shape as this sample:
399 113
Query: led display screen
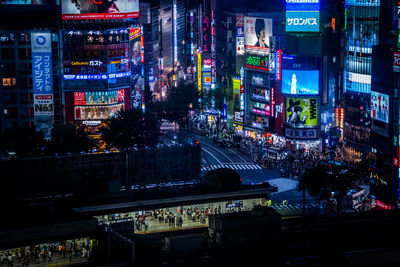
99 9
301 112
97 112
98 98
23 2
302 16
380 107
300 82
257 62
257 33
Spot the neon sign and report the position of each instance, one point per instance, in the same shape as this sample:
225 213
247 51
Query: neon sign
97 76
257 62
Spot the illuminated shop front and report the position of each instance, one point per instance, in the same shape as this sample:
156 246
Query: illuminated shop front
102 73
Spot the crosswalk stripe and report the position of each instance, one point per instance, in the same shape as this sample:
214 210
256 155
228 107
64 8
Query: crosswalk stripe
232 166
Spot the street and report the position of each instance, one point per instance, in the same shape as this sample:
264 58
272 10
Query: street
216 157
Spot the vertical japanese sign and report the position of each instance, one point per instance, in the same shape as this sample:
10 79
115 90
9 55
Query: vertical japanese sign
278 66
199 72
239 35
42 73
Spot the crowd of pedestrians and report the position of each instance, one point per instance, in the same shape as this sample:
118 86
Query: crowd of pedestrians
45 254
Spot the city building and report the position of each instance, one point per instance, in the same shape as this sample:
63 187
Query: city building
30 88
103 70
361 33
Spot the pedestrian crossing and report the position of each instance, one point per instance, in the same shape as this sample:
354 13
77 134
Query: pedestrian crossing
282 207
237 167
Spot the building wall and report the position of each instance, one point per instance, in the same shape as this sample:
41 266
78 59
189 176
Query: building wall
16 87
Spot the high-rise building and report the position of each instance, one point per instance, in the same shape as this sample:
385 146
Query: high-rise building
30 94
361 33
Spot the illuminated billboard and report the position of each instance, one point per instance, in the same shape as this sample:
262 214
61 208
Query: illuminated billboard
97 112
42 74
300 82
99 9
135 50
239 35
301 112
380 107
23 2
357 82
257 62
302 16
257 33
98 97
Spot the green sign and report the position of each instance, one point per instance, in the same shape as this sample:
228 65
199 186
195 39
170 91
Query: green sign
301 112
257 62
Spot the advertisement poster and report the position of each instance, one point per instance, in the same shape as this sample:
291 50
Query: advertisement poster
98 98
301 112
302 16
137 85
396 60
97 112
99 9
300 82
134 50
42 74
380 107
257 33
239 35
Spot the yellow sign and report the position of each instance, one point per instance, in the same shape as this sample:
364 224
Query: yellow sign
207 79
199 72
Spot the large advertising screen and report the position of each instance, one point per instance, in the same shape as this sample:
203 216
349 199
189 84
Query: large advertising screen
98 97
257 33
97 112
302 16
300 82
380 107
301 112
99 9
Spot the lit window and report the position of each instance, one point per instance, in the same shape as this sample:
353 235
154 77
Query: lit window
7 82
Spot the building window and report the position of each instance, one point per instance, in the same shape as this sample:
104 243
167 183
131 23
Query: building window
9 82
24 53
8 53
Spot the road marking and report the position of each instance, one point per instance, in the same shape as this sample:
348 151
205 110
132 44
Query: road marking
219 152
237 154
212 155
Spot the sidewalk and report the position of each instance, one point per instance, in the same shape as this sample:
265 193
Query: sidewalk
57 260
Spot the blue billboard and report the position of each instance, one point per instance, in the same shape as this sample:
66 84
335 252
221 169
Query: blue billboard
300 82
302 16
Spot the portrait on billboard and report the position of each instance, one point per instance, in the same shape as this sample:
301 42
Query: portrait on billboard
100 9
134 50
257 33
137 85
301 112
